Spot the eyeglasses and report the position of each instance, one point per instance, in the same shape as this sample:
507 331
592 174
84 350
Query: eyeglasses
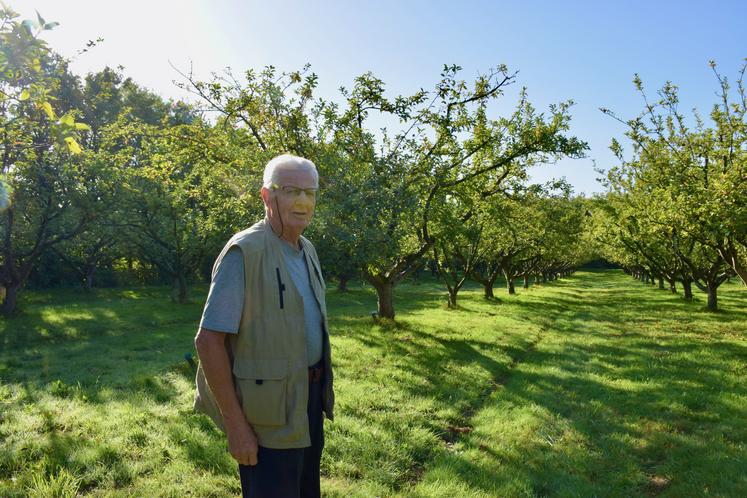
295 191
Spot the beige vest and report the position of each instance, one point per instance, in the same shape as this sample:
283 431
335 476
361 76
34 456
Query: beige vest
270 370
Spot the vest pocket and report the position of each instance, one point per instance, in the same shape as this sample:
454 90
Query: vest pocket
262 385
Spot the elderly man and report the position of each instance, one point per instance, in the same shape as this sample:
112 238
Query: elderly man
265 372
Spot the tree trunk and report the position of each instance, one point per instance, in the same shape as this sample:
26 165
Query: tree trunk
180 288
661 282
385 294
544 277
10 300
672 286
526 281
90 269
711 292
510 285
488 286
687 286
453 297
342 284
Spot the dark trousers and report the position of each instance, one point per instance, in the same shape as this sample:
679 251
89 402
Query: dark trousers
289 473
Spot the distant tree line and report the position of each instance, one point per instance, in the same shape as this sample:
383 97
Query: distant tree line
106 183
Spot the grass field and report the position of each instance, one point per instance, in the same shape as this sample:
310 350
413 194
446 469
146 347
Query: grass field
595 385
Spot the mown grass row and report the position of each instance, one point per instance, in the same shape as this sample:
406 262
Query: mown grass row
594 385
631 392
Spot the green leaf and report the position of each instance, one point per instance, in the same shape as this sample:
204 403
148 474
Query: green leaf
72 145
47 108
82 126
51 25
67 120
25 94
40 18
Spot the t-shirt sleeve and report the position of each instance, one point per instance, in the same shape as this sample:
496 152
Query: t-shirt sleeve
225 299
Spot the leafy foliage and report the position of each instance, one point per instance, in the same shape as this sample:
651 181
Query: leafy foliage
677 205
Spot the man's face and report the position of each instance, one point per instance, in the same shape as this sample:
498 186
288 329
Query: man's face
286 205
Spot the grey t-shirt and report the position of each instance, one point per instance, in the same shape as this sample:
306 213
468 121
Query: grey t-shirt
225 299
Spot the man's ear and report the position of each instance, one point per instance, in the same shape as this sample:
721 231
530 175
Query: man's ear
265 193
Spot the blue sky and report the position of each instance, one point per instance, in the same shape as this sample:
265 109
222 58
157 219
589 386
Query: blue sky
585 51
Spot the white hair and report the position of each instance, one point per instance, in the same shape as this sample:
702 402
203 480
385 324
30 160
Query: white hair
284 161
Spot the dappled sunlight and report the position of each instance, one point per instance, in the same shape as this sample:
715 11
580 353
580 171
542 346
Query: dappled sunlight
639 386
560 387
55 316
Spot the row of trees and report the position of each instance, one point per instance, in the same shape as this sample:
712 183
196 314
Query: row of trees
391 200
160 185
537 231
676 209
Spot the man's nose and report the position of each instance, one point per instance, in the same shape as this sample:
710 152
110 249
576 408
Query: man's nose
305 197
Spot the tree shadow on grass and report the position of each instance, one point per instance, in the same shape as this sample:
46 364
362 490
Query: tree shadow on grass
428 364
650 427
117 340
93 462
655 401
424 367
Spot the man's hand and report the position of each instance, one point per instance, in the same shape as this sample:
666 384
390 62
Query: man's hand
242 442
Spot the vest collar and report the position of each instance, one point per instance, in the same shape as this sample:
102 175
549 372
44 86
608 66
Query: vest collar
277 240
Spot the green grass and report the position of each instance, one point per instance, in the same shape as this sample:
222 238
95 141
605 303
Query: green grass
595 385
630 392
